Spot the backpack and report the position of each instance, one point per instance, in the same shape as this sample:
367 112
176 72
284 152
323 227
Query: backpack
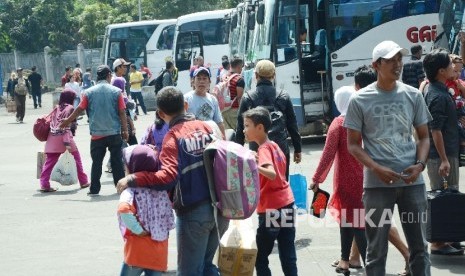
222 93
232 174
277 131
158 82
41 127
21 87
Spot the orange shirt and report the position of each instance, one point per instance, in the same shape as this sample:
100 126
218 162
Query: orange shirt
142 251
277 193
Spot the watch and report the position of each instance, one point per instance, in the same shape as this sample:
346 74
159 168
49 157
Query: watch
421 163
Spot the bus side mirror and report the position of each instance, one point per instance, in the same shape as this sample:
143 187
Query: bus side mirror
261 14
251 21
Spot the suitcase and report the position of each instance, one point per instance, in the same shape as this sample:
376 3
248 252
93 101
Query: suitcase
445 218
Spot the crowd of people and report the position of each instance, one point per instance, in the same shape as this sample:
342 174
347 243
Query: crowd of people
388 132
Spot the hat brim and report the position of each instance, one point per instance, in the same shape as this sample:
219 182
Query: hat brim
394 52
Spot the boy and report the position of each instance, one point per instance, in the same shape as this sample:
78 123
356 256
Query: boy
182 168
275 208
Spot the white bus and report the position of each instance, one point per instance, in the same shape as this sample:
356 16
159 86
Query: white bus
149 41
200 34
338 36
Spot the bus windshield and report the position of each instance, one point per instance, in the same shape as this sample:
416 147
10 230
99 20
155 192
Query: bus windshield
350 18
129 42
214 31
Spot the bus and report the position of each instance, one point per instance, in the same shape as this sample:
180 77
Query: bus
200 34
149 41
317 45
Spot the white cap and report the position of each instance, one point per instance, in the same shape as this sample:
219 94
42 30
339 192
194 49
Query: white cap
387 49
118 62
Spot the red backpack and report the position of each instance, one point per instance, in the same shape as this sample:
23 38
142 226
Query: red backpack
41 127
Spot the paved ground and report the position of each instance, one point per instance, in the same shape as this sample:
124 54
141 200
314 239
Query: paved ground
68 233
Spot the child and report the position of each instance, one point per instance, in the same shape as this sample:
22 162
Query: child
155 133
60 140
146 217
275 208
182 168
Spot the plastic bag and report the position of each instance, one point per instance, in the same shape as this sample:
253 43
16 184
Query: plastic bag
65 171
298 184
238 249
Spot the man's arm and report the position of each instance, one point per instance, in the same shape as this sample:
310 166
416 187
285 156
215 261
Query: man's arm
66 122
124 124
221 126
438 141
355 148
240 138
293 130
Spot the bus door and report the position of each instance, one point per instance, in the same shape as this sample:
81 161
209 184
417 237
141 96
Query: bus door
189 45
313 54
132 50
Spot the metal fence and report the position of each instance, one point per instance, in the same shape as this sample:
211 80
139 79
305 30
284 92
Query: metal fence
50 67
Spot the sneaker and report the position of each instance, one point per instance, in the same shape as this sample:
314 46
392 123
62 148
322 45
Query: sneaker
35 107
21 122
92 194
40 106
17 120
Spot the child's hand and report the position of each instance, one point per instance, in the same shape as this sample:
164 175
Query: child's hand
256 156
314 187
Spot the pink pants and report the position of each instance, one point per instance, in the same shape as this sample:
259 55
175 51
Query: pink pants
52 159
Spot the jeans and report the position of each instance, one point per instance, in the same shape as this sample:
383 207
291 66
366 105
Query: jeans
37 98
197 240
285 235
97 152
139 100
412 204
128 270
51 160
20 106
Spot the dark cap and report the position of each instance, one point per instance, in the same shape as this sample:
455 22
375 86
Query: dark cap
103 71
202 70
19 69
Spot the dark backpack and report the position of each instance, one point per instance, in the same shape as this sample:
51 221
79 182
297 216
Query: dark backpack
278 129
158 82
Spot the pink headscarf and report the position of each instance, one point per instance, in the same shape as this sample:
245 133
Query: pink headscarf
62 110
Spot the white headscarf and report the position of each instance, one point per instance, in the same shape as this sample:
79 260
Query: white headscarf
341 98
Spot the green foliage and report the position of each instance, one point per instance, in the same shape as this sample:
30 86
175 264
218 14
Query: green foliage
30 25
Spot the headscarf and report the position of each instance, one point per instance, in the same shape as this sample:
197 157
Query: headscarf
62 111
154 210
119 82
342 97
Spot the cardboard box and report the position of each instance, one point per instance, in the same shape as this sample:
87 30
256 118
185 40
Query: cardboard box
235 261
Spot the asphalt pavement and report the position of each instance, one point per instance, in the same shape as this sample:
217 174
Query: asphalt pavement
69 233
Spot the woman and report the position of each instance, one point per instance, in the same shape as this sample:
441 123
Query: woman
60 140
11 84
346 203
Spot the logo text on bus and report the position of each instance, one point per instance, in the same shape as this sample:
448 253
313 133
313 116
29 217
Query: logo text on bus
425 33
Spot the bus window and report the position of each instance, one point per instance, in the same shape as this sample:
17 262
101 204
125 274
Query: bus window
165 42
287 37
187 48
352 18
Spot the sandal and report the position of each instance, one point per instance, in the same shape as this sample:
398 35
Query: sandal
83 186
336 263
405 272
342 271
48 190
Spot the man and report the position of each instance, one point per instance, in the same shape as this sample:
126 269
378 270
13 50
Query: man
198 62
383 116
443 162
65 78
266 95
146 73
120 68
107 125
236 90
413 73
167 75
201 103
135 82
36 83
223 68
197 230
87 78
22 88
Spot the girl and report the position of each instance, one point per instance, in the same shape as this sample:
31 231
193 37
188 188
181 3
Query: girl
60 140
145 217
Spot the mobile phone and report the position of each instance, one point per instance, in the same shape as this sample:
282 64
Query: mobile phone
404 175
